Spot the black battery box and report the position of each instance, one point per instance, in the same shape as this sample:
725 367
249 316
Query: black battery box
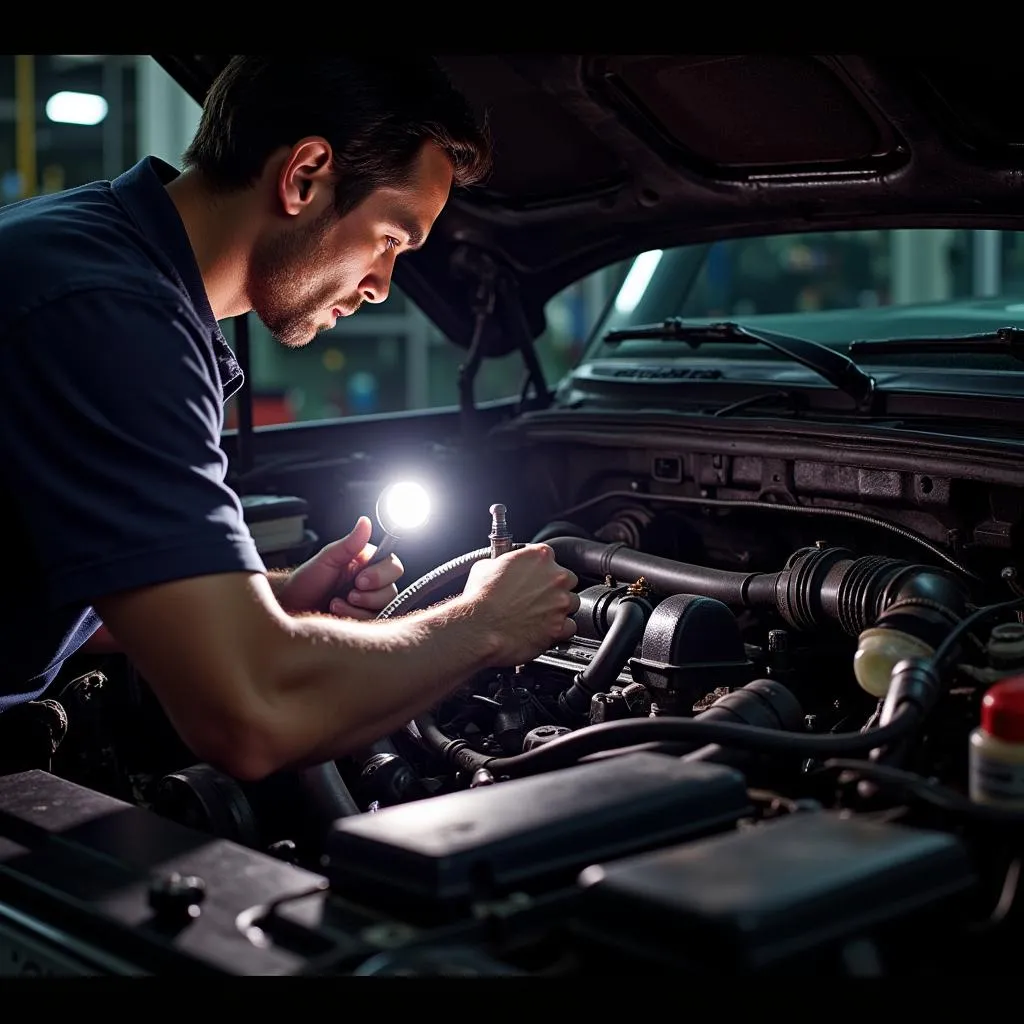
769 893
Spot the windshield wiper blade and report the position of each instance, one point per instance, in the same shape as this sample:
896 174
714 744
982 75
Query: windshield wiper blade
1007 341
839 370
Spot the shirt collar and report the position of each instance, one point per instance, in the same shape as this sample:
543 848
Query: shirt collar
142 192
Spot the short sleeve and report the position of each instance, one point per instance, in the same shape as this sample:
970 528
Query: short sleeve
110 423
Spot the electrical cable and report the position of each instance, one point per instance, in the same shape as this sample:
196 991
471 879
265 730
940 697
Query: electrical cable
568 749
945 649
1004 903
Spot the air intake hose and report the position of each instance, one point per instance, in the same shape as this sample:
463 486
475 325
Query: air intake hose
817 585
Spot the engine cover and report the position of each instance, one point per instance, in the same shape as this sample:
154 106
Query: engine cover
479 843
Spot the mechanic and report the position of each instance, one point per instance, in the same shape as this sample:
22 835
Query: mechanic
304 181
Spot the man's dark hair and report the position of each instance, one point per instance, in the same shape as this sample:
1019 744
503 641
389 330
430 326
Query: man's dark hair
375 112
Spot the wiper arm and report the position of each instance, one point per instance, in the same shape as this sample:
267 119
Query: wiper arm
839 370
1007 341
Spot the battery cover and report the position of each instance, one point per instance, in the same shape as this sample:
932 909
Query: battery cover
764 893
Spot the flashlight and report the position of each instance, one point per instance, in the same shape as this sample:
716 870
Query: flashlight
401 507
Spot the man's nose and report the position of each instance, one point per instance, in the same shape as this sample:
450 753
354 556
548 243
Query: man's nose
377 283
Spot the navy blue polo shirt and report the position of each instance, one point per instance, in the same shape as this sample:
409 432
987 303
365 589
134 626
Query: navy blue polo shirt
113 377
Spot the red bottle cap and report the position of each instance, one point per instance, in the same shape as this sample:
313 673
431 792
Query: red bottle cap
1002 710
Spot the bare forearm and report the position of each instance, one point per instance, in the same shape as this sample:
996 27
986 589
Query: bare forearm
277 579
104 642
253 689
347 683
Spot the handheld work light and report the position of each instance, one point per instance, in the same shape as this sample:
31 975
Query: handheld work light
402 507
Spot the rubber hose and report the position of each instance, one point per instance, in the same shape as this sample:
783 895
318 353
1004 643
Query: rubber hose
624 633
598 559
327 791
629 617
561 528
416 593
431 734
568 749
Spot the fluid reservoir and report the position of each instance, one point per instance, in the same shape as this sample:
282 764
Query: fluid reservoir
926 606
997 746
879 650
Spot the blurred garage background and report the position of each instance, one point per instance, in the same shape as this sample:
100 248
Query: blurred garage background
66 119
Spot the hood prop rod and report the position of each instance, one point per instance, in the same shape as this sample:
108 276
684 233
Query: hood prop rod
492 280
521 328
483 307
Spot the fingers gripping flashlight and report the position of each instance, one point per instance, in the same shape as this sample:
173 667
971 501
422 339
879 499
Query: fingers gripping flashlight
402 507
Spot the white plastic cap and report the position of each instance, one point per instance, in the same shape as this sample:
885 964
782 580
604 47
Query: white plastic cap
878 652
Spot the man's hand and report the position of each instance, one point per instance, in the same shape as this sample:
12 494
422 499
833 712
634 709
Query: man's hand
525 599
335 579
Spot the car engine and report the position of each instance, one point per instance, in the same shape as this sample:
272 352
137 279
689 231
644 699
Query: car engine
786 737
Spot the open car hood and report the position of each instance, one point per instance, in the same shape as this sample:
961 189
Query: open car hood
600 157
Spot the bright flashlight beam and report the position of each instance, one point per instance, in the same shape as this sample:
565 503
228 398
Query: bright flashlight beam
407 506
76 108
637 280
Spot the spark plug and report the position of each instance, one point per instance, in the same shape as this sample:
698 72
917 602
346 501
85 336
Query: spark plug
500 535
501 543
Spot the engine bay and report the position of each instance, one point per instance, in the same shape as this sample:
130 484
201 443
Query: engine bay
781 740
739 338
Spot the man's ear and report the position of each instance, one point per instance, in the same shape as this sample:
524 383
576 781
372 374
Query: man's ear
306 171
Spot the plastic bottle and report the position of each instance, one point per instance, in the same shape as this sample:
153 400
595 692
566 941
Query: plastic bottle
996 761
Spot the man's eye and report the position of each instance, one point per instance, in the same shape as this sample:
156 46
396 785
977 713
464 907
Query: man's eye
391 243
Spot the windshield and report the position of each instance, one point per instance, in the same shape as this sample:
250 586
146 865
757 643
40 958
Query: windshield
834 287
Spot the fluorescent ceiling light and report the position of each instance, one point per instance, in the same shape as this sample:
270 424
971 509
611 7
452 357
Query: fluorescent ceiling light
76 108
637 280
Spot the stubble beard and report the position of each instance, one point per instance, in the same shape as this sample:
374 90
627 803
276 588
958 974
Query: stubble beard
285 281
